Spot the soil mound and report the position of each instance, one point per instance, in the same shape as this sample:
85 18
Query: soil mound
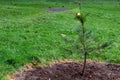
71 71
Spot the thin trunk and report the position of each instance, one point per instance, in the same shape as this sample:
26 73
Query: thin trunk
84 49
84 66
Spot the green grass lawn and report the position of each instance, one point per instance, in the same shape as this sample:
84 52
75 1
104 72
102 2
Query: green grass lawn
29 33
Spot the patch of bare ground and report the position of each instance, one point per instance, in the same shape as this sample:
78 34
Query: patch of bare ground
71 71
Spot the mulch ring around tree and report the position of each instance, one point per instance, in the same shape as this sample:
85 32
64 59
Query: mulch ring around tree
71 71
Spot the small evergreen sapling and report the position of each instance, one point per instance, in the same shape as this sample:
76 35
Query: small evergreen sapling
86 42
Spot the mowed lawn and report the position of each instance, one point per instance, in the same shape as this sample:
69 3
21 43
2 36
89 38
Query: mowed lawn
28 32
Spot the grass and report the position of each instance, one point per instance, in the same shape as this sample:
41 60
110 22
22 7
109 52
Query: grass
29 33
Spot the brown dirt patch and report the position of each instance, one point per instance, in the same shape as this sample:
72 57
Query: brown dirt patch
70 71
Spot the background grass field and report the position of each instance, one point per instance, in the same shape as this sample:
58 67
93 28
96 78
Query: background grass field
29 33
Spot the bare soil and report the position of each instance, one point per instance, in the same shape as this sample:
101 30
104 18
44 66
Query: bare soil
71 71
